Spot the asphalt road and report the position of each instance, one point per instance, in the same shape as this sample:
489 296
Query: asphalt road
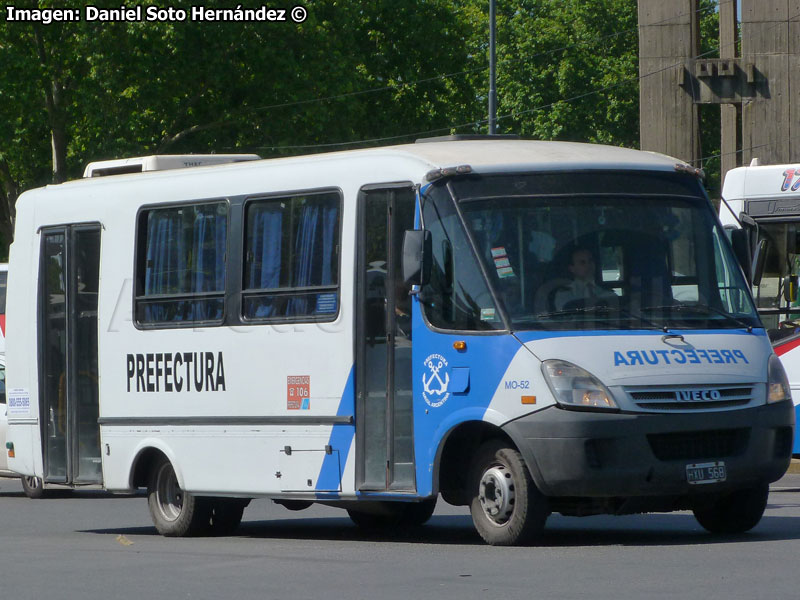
91 545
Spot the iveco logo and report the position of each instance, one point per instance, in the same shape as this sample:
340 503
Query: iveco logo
697 395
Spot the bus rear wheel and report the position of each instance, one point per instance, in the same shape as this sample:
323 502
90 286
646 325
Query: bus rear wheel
225 514
507 508
419 513
175 513
737 512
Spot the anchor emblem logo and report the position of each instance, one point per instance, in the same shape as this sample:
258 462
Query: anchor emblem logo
434 381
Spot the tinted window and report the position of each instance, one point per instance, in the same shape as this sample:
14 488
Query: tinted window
291 262
181 271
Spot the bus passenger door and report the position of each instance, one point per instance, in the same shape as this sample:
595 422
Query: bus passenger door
384 419
68 278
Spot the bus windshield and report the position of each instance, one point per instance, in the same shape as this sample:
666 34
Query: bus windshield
597 250
783 259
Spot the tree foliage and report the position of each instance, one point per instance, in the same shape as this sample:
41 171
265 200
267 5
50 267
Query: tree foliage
568 70
355 73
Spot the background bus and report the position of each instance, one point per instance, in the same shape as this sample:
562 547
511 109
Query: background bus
770 196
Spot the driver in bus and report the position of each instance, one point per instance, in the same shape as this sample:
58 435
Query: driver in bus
582 290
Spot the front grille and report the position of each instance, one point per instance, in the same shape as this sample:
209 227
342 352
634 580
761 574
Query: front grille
699 445
690 397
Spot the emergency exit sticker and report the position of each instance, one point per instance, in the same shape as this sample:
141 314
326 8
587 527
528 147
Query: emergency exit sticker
298 392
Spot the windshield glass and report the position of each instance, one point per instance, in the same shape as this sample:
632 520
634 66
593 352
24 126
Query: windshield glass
780 311
602 250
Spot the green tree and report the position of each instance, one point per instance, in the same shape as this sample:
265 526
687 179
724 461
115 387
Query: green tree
32 124
355 73
567 70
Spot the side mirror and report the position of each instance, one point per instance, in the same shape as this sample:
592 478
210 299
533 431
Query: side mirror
790 288
417 256
759 258
740 240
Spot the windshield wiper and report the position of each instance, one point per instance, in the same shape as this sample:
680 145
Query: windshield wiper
700 308
606 310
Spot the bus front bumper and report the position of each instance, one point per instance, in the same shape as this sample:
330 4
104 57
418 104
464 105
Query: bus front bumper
603 455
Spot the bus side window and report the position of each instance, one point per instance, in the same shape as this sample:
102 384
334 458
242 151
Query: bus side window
180 272
291 262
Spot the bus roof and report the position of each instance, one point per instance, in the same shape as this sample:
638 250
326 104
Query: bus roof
483 156
349 171
496 155
767 181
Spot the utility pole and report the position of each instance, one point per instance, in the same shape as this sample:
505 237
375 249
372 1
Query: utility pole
492 85
729 113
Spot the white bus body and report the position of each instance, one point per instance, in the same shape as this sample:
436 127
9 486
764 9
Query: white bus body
223 333
770 195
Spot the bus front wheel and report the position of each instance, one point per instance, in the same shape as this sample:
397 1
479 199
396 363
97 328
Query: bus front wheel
737 512
507 508
175 513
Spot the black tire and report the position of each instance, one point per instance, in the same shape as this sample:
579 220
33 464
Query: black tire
417 514
225 514
394 515
736 512
373 520
33 487
175 513
294 505
507 508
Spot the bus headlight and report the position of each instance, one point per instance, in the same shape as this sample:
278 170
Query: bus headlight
574 387
777 382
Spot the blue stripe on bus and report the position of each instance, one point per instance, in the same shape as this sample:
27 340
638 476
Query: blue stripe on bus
796 447
341 440
433 357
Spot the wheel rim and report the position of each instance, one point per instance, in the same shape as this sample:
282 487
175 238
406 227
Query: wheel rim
496 494
32 482
169 496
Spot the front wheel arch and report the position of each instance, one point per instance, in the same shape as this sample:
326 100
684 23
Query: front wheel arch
455 454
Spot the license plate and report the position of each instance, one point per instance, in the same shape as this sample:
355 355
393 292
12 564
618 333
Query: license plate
712 472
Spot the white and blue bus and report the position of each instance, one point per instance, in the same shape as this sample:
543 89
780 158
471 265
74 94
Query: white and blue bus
519 327
767 198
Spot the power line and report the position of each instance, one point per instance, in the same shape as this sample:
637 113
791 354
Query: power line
476 69
721 154
479 122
